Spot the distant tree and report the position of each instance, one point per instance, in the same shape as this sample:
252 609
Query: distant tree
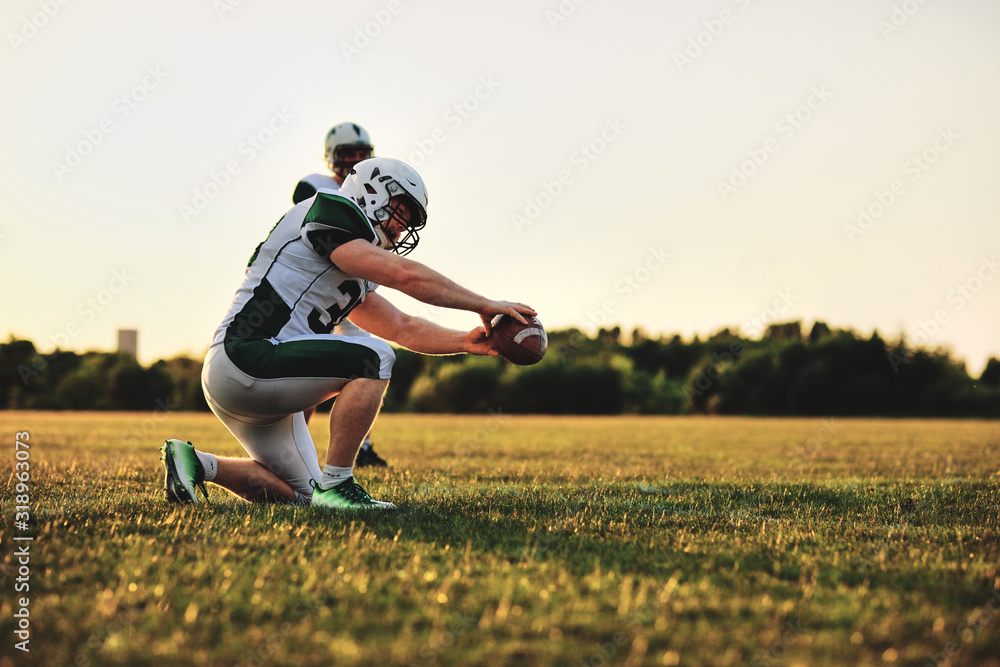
571 343
540 389
466 388
610 337
831 372
584 386
819 331
185 375
408 367
748 386
132 387
842 374
681 357
722 334
991 374
648 356
83 388
674 358
984 398
16 369
784 331
653 395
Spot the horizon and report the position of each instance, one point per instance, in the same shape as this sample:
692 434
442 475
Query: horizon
627 338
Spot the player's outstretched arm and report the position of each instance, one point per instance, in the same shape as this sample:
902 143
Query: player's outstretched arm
378 316
364 260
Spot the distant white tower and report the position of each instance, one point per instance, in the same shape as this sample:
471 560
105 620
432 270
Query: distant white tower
128 342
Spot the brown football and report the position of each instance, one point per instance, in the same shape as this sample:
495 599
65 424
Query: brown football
519 343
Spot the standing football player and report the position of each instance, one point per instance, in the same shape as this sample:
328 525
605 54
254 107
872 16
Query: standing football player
275 353
346 145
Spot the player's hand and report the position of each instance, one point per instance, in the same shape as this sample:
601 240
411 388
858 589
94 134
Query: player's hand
477 342
512 308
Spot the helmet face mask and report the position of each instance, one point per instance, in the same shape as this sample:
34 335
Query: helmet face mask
383 187
345 139
342 163
413 222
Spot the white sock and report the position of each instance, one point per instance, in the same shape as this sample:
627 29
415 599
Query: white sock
334 475
210 463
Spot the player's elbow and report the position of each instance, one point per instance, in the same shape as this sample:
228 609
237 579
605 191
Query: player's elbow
405 278
404 330
397 329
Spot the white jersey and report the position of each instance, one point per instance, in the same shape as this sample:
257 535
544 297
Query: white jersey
312 184
291 288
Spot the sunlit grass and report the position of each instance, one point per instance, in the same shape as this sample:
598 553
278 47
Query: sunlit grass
524 540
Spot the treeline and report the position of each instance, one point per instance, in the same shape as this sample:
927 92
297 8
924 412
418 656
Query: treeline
786 372
63 380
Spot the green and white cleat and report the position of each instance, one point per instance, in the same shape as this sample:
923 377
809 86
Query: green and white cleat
348 495
183 472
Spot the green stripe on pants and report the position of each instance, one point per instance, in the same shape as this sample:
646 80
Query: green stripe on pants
305 358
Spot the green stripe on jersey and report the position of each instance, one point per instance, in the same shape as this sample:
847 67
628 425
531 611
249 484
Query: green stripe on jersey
303 191
305 358
262 316
339 213
257 249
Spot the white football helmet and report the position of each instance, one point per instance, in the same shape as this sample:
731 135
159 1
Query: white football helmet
341 137
373 182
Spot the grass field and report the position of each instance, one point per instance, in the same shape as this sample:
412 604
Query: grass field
521 541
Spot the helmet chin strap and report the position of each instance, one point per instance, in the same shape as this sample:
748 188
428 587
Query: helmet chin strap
383 238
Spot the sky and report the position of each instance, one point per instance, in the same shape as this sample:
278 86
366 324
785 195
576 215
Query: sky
678 166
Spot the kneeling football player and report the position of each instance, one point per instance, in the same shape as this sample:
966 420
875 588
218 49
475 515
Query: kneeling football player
275 352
